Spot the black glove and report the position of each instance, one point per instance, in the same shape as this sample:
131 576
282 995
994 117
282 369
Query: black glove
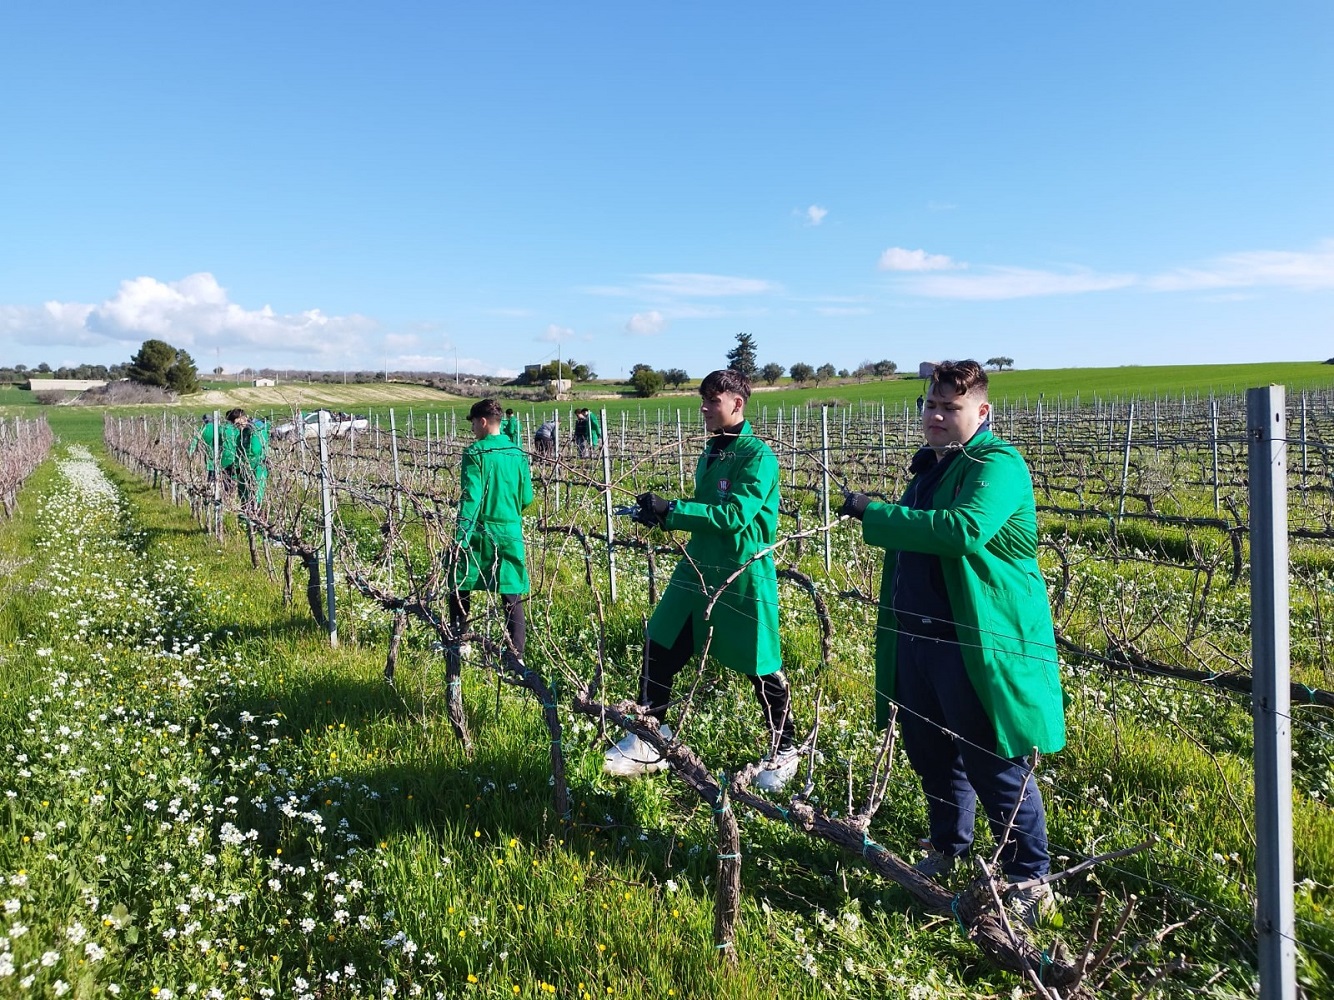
854 505
652 509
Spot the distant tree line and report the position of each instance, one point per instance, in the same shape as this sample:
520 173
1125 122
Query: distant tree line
21 373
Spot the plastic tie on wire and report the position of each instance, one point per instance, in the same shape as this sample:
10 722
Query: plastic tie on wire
868 844
1310 693
720 947
455 684
954 908
728 857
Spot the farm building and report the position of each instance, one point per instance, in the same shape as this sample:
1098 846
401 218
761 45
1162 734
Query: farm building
259 382
65 384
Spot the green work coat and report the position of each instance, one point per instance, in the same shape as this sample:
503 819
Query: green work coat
229 443
253 446
732 517
983 526
594 429
494 488
203 440
510 428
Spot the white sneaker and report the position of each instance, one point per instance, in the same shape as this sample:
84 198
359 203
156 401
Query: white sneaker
778 770
632 757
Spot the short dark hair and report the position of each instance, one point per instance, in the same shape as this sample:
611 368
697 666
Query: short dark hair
233 414
962 376
725 380
487 409
509 412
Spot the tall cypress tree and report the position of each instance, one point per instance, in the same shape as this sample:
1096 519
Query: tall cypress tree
743 357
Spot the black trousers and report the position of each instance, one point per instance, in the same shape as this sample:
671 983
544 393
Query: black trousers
663 663
460 606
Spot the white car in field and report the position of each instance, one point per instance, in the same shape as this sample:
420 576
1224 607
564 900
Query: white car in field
338 425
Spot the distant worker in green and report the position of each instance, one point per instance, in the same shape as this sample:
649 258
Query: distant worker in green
229 441
252 451
587 432
733 525
510 428
203 442
495 485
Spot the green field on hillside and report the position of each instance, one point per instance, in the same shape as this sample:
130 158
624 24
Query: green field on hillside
83 424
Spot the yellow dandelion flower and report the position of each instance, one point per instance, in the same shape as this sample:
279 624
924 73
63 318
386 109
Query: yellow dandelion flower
472 978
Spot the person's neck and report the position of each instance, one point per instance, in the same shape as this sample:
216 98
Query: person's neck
733 429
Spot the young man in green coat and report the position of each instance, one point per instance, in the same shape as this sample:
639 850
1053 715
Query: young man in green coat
229 444
733 525
204 443
964 638
587 432
495 485
250 457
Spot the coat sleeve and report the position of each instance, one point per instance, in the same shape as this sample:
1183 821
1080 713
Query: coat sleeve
751 487
526 485
991 492
470 497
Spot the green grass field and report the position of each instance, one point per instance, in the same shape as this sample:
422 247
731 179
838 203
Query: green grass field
205 793
83 424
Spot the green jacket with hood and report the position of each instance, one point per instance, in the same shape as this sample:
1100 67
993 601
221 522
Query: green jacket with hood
495 486
732 517
983 526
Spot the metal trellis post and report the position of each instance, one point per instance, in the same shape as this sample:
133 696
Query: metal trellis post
326 503
1275 923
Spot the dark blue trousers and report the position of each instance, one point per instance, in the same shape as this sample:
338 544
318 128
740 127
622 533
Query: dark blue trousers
951 745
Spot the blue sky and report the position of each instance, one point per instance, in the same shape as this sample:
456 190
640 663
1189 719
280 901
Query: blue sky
353 185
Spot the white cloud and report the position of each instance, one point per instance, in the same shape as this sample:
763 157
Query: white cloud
815 215
1304 271
193 313
842 311
556 334
1014 283
672 286
707 285
646 324
899 259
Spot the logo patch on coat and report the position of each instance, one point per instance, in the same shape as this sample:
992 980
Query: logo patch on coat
723 486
